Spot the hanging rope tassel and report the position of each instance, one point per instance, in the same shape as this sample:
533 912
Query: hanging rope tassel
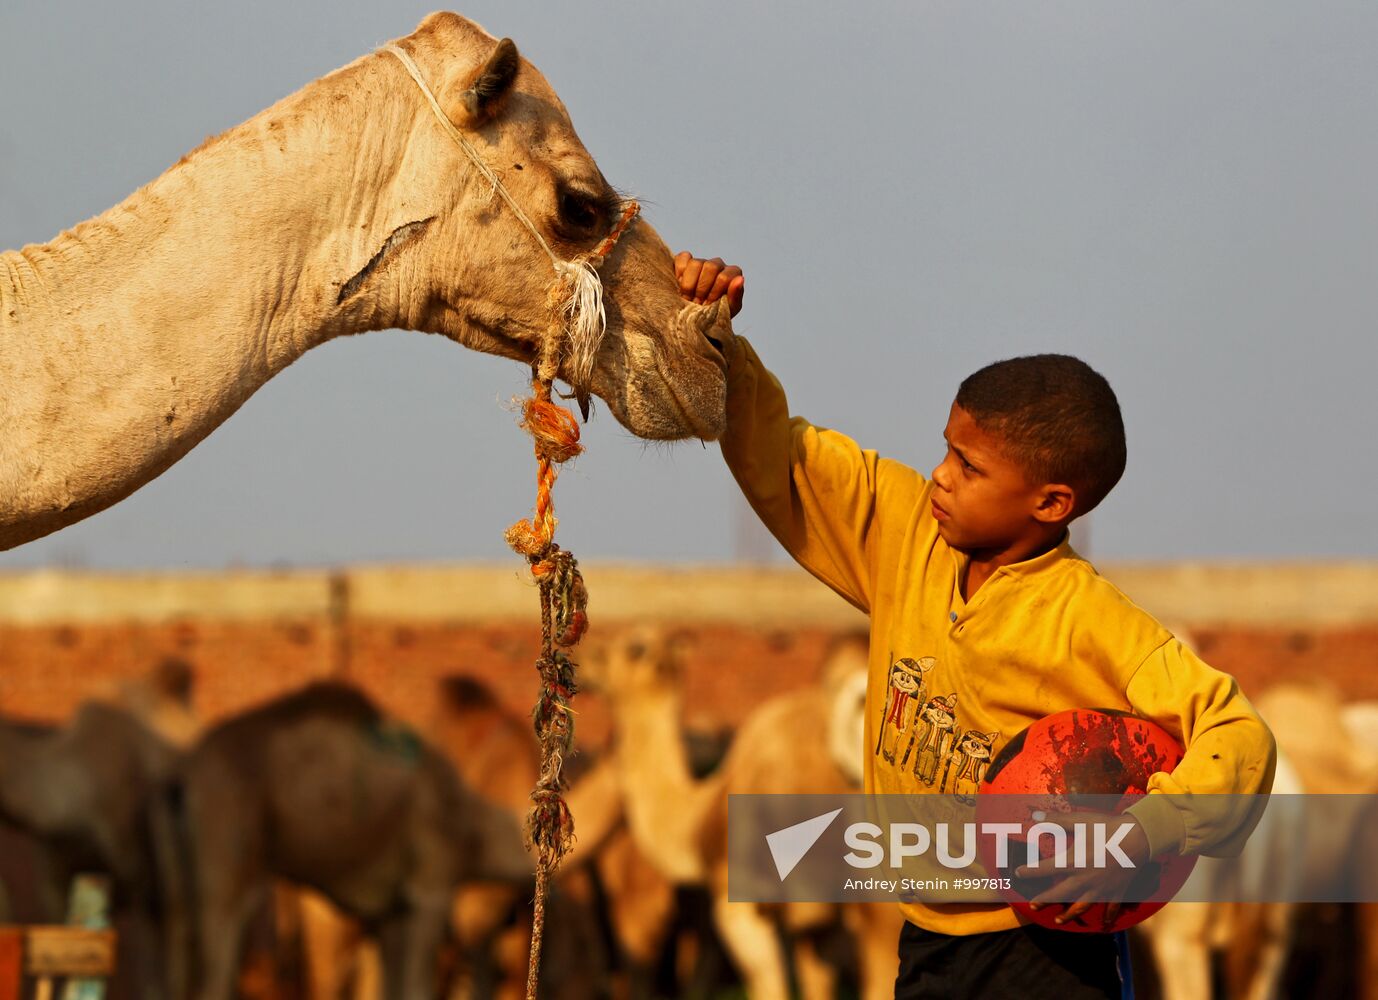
576 328
564 619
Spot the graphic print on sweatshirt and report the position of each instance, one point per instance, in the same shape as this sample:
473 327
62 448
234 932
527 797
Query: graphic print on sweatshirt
973 753
919 733
902 701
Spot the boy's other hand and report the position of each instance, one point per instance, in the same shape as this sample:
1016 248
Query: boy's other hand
706 281
1077 889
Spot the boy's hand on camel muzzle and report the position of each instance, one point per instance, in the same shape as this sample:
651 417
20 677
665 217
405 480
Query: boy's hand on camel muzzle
706 281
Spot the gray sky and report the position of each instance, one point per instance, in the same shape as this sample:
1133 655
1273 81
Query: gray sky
1181 193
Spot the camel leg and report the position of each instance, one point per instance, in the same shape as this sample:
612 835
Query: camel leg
1178 934
410 945
1272 933
492 957
141 947
367 976
1366 919
817 979
752 942
224 918
231 884
511 948
329 942
176 933
876 928
805 923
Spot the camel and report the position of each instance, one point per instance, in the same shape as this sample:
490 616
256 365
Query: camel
1253 937
1324 747
320 788
162 700
493 749
495 753
344 208
681 822
1335 748
94 793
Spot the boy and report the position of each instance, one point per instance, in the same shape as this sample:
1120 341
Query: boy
970 573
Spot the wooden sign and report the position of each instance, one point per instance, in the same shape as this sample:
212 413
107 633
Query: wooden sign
69 951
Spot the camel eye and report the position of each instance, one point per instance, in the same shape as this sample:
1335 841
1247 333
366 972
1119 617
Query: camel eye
579 213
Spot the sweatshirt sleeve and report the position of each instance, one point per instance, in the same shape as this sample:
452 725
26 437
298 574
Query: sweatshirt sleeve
1229 760
820 494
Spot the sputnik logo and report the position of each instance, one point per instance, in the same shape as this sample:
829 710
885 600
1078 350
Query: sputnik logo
788 846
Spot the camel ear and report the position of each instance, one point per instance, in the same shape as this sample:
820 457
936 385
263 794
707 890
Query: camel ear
492 82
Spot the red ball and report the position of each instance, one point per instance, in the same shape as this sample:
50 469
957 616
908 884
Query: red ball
1096 760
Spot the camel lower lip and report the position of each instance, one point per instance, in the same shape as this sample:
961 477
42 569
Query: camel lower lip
688 414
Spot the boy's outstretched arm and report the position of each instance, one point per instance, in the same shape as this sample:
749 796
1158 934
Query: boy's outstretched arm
822 497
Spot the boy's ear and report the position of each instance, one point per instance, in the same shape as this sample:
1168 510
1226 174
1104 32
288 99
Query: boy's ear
1057 502
483 98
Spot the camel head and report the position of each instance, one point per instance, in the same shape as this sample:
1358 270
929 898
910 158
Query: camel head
640 661
455 259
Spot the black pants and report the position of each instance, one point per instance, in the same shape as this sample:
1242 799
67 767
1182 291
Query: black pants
1027 963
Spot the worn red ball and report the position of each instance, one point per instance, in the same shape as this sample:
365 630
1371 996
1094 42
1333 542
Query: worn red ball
1095 760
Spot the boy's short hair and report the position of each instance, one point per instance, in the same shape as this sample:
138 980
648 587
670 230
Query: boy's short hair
1059 418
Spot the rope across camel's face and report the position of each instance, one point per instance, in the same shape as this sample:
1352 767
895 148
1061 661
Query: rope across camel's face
486 278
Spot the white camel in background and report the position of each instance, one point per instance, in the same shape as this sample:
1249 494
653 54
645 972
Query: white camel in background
680 823
343 208
1324 747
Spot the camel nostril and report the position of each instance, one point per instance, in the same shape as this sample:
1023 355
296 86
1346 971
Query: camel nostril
717 344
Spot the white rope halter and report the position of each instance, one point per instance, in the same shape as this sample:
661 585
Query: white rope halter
586 319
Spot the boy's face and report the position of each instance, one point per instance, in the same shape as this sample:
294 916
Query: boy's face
982 500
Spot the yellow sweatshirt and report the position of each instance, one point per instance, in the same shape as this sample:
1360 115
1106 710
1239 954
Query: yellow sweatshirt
1038 637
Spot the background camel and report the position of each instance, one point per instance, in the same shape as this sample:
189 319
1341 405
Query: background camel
1251 938
320 788
1324 747
604 880
495 753
681 822
341 209
93 793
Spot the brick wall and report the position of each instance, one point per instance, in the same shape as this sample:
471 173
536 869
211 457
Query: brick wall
246 651
47 670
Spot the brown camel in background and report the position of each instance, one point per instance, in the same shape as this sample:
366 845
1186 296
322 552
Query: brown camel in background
92 796
320 788
680 822
495 752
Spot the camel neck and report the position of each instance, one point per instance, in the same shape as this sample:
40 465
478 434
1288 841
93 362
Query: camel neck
239 241
666 806
128 338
